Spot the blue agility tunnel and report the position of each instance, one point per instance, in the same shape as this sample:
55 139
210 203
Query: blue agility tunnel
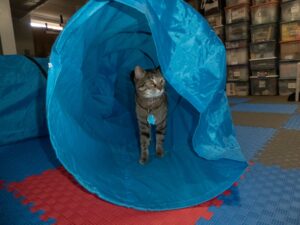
22 98
91 104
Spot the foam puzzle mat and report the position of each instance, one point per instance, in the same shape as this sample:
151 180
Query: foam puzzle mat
266 195
293 123
235 100
266 108
247 135
283 150
254 119
35 189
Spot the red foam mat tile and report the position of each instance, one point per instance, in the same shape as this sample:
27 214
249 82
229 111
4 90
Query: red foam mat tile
1 184
63 199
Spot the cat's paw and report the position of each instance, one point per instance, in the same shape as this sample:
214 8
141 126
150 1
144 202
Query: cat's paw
160 152
144 158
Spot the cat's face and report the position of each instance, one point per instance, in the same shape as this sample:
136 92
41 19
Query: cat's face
149 84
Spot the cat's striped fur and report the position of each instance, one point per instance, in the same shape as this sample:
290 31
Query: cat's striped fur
150 99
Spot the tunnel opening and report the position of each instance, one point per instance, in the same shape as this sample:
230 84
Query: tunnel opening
91 116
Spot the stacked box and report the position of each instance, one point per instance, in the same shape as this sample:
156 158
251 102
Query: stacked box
290 50
264 13
264 33
263 50
288 69
290 11
237 13
266 85
237 18
259 2
230 3
237 61
287 86
290 31
263 47
237 31
194 4
237 88
289 46
214 15
213 6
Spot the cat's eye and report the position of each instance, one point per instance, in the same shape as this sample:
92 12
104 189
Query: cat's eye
142 88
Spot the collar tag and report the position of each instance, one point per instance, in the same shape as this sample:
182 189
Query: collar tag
151 119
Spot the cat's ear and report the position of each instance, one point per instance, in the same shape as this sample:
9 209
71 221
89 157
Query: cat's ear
158 69
139 72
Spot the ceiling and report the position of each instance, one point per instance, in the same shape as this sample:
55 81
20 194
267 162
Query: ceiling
52 9
48 10
21 8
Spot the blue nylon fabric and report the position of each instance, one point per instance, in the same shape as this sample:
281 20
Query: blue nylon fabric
22 101
90 104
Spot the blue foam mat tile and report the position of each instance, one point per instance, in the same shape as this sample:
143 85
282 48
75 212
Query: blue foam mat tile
293 123
265 108
234 100
268 195
27 158
13 212
253 139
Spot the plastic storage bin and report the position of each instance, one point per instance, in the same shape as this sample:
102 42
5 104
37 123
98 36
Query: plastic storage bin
264 85
287 86
263 72
237 56
215 19
264 32
240 73
193 3
236 44
263 50
238 31
259 2
237 13
263 64
290 50
214 6
290 31
288 69
220 32
237 88
237 2
266 13
290 11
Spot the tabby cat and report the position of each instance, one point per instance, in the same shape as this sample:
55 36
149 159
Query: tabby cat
151 109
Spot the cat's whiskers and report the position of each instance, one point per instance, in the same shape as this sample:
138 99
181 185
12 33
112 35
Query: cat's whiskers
152 94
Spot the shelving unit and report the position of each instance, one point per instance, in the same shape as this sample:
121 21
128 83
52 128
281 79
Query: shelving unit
237 14
264 45
289 46
262 40
214 14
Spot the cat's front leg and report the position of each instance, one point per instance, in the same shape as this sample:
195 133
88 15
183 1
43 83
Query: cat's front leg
160 136
145 131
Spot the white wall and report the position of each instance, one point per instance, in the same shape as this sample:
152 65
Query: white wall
1 51
6 29
23 35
